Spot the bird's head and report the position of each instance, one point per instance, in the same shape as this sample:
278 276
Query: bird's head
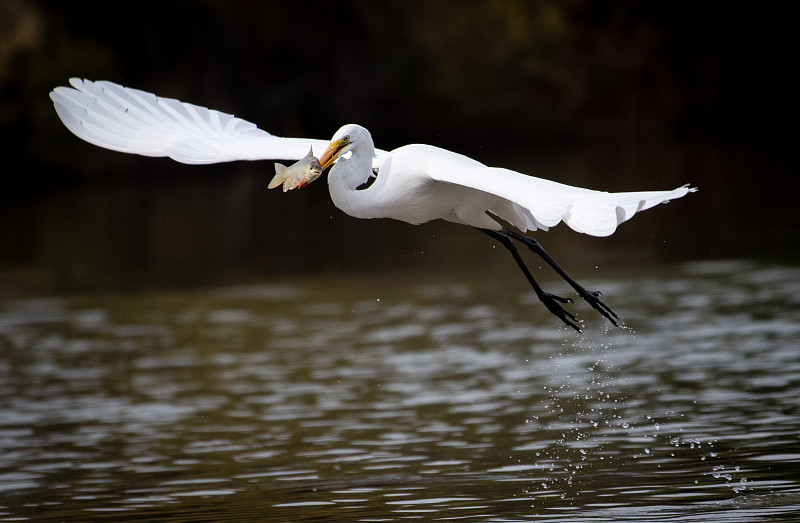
350 137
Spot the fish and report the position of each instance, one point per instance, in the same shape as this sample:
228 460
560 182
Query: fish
300 173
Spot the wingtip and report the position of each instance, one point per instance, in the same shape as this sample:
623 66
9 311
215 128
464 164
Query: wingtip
73 81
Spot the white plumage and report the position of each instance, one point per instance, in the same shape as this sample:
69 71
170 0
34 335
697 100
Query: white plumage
415 183
133 121
419 183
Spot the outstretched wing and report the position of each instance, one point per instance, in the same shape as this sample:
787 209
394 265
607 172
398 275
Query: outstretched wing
531 203
133 121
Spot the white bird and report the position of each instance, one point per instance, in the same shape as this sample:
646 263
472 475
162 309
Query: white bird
414 183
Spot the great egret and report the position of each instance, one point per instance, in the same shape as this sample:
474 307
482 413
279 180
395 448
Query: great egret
415 183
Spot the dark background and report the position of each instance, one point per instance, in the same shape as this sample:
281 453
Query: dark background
605 94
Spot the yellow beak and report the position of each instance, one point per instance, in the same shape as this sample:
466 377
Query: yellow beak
332 152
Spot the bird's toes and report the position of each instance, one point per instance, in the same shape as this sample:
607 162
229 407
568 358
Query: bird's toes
558 298
568 319
551 302
571 322
593 298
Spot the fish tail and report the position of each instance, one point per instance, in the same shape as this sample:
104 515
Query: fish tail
279 178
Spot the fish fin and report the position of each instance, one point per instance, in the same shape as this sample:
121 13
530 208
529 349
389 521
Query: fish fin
280 176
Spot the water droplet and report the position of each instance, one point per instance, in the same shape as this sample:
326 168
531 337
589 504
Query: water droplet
741 486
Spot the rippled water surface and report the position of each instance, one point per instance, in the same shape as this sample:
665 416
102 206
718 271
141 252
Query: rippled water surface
425 397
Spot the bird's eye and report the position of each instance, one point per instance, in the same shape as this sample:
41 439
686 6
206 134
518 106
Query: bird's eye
346 138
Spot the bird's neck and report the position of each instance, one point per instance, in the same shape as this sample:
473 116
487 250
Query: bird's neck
344 179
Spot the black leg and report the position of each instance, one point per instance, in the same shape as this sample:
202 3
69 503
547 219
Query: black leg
551 301
592 297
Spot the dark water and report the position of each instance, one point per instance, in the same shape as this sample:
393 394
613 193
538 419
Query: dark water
427 397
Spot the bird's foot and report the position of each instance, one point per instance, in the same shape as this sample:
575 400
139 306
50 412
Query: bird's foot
551 301
593 298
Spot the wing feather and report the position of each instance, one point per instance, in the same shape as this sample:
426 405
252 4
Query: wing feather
531 203
133 121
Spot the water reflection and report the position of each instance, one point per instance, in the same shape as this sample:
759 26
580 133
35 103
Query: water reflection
346 399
